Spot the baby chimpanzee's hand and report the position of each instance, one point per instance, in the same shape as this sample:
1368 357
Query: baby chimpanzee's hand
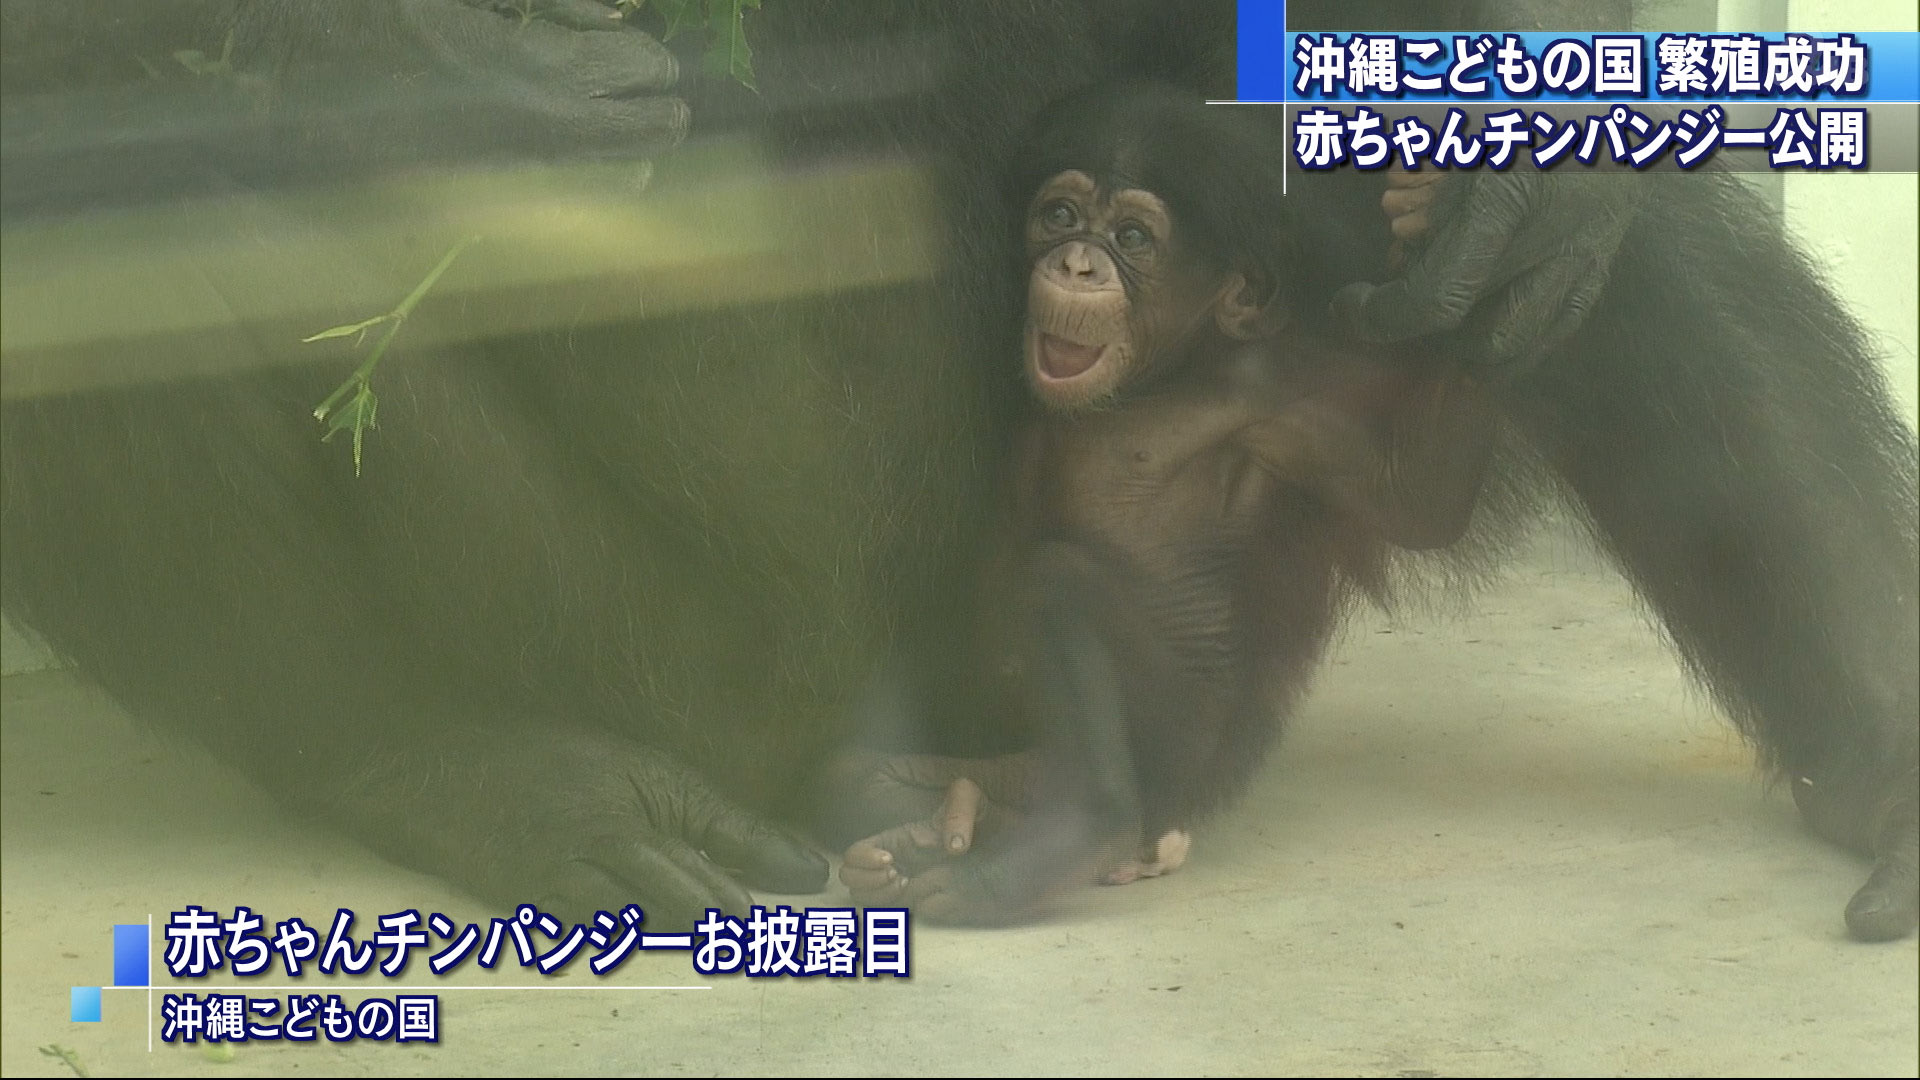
978 861
915 863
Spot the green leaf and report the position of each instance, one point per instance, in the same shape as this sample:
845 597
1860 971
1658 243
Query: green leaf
345 331
360 414
727 53
680 15
413 298
67 1056
362 408
355 414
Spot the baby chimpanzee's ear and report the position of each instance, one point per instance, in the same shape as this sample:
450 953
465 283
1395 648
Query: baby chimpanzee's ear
1248 309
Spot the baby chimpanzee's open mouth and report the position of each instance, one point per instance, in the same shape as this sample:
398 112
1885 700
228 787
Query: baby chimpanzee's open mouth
1063 359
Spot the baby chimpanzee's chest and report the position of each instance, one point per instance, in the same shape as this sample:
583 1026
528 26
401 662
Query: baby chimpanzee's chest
1143 488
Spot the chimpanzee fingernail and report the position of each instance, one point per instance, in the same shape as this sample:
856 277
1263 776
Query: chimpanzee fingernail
956 842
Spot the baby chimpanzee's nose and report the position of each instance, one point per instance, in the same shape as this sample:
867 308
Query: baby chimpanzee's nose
1081 264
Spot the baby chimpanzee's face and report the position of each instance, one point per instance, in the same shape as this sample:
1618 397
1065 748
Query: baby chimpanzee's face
1113 294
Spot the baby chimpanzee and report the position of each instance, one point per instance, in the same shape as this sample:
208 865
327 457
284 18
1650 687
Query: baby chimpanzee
1205 479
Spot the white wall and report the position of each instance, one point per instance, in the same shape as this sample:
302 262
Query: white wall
1862 228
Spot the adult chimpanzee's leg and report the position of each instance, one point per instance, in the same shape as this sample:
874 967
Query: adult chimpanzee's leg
1724 422
591 586
375 703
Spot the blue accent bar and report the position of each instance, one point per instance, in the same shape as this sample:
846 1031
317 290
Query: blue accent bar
129 954
84 1006
1266 67
1261 47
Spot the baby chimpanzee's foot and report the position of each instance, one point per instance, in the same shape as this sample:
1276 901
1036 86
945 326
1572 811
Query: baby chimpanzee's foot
1166 855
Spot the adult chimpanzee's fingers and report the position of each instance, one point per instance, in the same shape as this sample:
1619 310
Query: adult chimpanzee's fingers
555 83
572 14
672 882
1444 281
763 855
561 45
1587 280
1527 317
1880 816
1888 905
607 64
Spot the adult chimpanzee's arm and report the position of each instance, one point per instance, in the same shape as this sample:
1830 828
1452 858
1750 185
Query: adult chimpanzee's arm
409 655
1724 423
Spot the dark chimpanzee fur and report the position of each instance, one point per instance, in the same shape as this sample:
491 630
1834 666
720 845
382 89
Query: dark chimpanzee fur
1725 426
591 623
1725 430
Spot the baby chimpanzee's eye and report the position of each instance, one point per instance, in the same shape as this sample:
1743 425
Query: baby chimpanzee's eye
1131 237
1059 214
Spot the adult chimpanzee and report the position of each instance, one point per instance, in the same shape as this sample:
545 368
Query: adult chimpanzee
1187 542
1209 474
589 627
595 618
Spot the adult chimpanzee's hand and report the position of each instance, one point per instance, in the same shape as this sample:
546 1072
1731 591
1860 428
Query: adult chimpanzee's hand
286 91
563 79
1512 262
573 821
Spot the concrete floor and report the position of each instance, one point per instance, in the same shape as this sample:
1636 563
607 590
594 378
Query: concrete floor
1511 842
